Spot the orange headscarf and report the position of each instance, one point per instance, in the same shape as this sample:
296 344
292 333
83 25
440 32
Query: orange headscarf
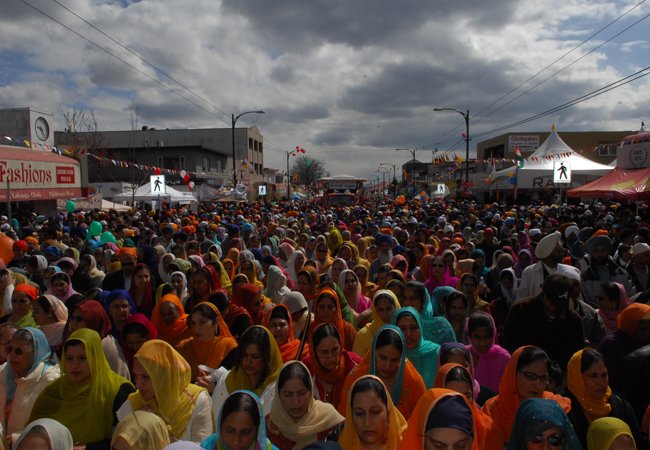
233 255
414 436
628 319
594 408
312 274
231 273
338 322
289 350
483 423
503 407
173 333
212 352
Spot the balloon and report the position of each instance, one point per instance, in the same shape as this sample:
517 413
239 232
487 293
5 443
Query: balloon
95 228
186 178
183 173
6 248
157 171
107 237
191 185
70 206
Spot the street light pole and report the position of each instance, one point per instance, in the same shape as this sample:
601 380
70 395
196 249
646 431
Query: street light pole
394 179
466 117
412 151
234 158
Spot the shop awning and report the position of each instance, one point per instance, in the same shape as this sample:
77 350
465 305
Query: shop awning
37 175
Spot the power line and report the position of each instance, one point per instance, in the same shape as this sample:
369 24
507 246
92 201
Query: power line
615 85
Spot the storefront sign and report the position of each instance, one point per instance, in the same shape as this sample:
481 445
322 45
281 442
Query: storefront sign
526 143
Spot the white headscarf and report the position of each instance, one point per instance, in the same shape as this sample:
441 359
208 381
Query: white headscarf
60 437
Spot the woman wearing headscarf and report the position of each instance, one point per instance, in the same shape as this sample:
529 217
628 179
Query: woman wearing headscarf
609 433
307 283
612 299
47 432
29 369
91 314
368 288
256 368
489 358
369 397
359 303
138 329
61 287
436 327
119 305
142 289
327 309
95 275
457 377
251 413
51 315
247 267
88 394
250 297
35 268
422 353
276 285
279 322
163 379
329 363
163 267
439 275
211 343
140 430
592 398
526 376
170 319
524 259
384 305
295 264
542 422
178 281
297 419
21 301
387 360
443 417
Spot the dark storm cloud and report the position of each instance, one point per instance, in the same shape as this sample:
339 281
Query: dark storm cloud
282 115
298 25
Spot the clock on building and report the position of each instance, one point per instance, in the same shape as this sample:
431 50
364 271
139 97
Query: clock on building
42 128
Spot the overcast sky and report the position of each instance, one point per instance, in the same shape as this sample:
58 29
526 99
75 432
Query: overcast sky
349 81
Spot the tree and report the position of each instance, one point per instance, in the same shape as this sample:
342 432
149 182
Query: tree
81 132
307 170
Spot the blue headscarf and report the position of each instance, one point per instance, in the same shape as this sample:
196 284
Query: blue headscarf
436 328
397 387
425 356
42 353
262 443
117 294
537 415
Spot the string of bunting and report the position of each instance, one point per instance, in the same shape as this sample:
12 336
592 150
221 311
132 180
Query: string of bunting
26 143
144 167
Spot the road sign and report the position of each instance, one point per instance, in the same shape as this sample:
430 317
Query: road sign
561 172
441 189
158 185
261 190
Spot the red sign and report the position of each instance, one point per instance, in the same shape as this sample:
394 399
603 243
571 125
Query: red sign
64 175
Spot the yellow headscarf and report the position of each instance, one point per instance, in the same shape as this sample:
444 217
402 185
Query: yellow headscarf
86 410
171 379
320 417
594 408
237 379
142 430
349 439
602 432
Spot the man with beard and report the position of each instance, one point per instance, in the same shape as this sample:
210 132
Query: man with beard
384 243
121 279
549 252
602 268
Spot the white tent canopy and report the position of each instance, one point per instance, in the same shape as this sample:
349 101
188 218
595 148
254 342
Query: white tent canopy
143 194
538 167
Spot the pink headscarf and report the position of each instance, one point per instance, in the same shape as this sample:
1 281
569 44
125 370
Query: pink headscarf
609 317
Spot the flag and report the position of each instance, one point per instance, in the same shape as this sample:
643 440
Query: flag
519 158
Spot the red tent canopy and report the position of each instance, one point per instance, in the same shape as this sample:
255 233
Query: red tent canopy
623 184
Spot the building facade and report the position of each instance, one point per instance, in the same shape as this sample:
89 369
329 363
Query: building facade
204 153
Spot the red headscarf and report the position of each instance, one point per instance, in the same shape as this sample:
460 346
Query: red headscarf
94 316
152 333
288 350
171 333
338 321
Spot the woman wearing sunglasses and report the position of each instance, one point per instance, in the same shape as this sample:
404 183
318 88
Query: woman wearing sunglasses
542 424
526 376
28 370
592 398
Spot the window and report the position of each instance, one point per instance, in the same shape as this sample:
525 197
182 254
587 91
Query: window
607 149
218 165
181 161
161 162
206 164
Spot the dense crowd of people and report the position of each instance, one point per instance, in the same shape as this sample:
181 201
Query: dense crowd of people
441 325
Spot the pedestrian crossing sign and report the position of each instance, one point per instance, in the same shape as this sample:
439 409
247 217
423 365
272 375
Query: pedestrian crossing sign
561 172
158 186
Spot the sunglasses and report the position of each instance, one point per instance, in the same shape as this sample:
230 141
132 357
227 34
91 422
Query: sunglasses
554 440
530 376
18 351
